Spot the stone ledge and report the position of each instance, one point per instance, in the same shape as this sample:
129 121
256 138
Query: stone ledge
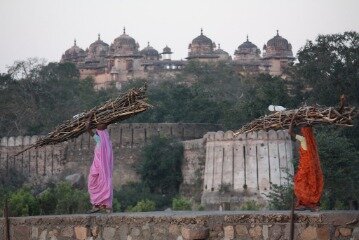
187 225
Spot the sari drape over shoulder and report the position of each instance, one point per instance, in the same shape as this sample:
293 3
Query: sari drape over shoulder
100 185
308 181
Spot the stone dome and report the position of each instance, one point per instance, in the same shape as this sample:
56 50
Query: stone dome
202 40
223 55
149 51
98 49
247 48
73 54
201 47
278 47
124 45
167 50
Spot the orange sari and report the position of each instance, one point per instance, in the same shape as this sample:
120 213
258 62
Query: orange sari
308 181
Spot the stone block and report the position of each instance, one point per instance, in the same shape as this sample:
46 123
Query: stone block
135 232
310 233
43 235
355 233
67 232
123 232
193 232
275 232
34 232
95 231
81 233
20 232
241 230
255 232
53 233
345 232
228 232
323 233
108 233
174 230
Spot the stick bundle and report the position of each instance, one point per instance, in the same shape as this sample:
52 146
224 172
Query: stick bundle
125 106
306 115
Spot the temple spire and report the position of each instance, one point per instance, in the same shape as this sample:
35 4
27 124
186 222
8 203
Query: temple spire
277 32
148 44
99 36
75 42
201 31
219 46
124 30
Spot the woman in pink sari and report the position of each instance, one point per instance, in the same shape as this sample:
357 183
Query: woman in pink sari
100 177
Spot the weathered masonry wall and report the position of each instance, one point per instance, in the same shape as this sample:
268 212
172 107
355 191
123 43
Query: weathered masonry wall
246 163
75 156
186 226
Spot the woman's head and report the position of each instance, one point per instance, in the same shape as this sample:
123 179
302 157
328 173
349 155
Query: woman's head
101 126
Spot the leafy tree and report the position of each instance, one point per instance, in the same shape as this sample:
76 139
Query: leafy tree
35 97
328 68
340 163
160 168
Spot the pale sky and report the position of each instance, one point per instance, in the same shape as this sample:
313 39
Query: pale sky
46 28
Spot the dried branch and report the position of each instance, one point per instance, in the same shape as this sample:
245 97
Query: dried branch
306 115
119 109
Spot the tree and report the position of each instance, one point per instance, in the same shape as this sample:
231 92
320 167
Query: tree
340 164
328 68
160 168
35 97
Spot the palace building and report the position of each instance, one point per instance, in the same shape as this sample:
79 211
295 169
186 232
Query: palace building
124 60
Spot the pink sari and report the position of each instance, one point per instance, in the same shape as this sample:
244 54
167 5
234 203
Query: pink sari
100 178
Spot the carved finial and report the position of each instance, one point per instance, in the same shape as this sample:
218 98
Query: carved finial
247 38
201 31
148 44
277 32
124 30
75 42
219 46
99 36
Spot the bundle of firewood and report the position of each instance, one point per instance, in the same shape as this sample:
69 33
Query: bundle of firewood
125 106
304 116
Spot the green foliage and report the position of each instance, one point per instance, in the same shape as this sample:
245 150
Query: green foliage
340 163
280 197
70 200
250 205
160 168
181 204
143 206
329 66
35 97
23 203
128 195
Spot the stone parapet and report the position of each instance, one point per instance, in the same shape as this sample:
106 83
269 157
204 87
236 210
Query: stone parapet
186 226
245 165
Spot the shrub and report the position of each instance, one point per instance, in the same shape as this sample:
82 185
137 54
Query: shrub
180 204
250 205
143 206
23 203
280 197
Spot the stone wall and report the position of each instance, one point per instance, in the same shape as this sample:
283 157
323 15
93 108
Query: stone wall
245 166
186 226
75 156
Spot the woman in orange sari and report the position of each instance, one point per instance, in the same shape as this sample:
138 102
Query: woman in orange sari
308 181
